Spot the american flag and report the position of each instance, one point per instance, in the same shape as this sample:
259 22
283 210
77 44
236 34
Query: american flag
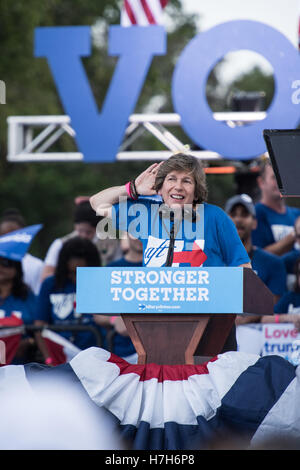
142 12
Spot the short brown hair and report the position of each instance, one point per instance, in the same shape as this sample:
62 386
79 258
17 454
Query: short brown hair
188 163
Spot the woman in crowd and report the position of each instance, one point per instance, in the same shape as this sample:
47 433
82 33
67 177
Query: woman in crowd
175 221
56 303
32 266
17 299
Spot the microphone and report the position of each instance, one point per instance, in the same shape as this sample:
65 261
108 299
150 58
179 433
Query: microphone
187 212
170 253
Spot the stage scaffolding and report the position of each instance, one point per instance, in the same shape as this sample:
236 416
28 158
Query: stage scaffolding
30 138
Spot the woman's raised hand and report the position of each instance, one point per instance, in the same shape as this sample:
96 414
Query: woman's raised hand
144 183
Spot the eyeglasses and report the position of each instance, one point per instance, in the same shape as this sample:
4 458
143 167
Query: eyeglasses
7 263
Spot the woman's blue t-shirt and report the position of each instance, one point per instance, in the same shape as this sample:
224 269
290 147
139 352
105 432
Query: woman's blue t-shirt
289 303
56 306
213 231
22 308
271 225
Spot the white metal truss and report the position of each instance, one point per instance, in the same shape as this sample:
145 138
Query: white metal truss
26 145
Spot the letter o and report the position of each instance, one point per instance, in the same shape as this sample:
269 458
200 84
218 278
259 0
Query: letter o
154 280
192 71
130 291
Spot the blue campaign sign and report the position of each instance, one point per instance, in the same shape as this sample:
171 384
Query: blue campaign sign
14 245
99 135
111 291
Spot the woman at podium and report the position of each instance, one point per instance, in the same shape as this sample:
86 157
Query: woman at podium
165 207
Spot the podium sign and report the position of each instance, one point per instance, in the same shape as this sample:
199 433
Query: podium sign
159 290
173 314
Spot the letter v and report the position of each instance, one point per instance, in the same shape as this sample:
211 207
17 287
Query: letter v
98 136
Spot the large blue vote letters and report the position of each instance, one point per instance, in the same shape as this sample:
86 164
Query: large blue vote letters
99 134
191 74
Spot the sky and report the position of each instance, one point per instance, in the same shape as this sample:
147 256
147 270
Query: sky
281 14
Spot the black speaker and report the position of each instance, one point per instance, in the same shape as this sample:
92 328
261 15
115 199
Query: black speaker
284 150
247 101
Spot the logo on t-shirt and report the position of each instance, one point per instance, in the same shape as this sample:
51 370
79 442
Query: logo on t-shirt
292 309
155 254
280 231
63 304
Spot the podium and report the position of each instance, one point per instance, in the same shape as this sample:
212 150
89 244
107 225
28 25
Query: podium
174 314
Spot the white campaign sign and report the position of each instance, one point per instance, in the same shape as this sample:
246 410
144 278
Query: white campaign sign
269 339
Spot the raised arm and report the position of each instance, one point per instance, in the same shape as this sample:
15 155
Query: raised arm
102 202
282 246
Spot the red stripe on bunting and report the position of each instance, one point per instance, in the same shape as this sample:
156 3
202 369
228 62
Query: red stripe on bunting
160 372
148 12
129 12
56 352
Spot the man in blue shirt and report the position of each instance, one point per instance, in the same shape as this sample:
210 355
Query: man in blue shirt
289 303
269 268
275 221
291 257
